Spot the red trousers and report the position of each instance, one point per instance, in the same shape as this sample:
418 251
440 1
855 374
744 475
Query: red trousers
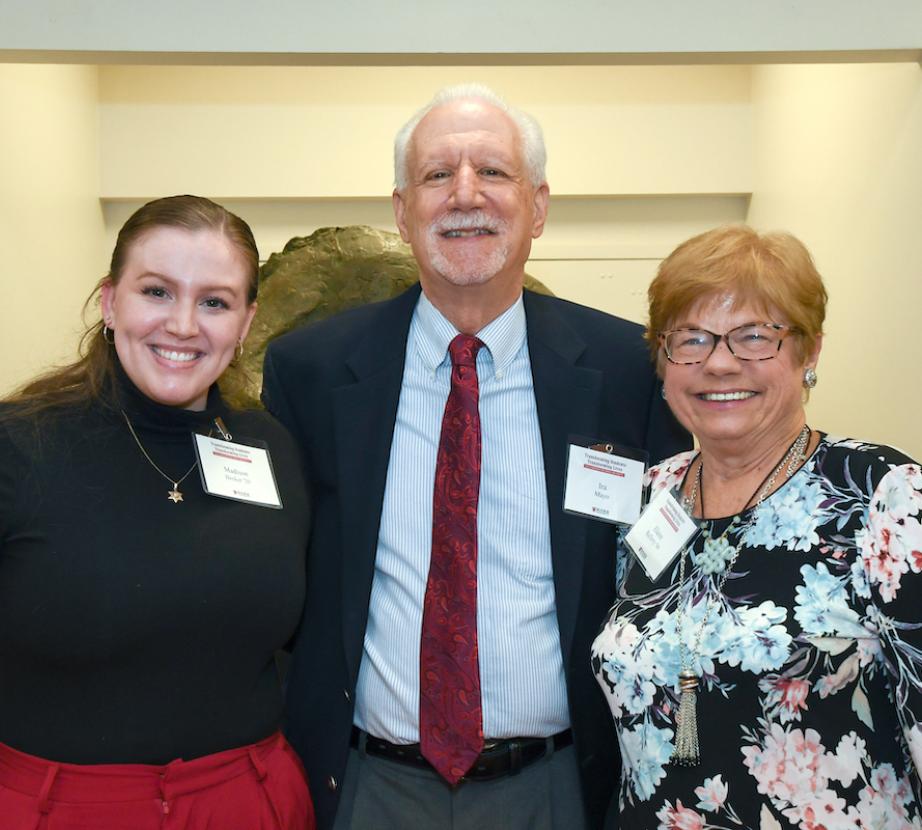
256 787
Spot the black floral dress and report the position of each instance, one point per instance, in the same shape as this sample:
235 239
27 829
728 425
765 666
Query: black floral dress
810 699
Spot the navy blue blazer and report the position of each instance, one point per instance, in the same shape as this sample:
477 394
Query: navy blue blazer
335 385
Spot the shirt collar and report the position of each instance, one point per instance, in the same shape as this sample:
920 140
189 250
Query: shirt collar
503 336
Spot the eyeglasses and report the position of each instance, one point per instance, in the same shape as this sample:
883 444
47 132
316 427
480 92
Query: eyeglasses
751 341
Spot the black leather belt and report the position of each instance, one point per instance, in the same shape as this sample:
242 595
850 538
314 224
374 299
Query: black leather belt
499 758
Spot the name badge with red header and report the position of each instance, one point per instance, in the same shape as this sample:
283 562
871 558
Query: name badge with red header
234 470
605 482
660 534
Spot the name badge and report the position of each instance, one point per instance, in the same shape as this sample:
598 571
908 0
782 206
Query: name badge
237 471
662 530
605 482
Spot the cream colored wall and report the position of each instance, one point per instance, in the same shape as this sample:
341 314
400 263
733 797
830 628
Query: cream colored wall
320 132
839 163
51 226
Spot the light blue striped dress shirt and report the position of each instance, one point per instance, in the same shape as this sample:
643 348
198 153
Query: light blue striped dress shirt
521 668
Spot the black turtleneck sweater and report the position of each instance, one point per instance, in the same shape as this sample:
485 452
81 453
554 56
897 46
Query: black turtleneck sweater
133 629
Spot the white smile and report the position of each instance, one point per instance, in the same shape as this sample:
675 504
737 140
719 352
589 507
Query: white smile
176 357
468 232
726 396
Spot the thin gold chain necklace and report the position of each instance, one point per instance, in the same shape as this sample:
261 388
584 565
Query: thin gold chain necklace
174 494
718 556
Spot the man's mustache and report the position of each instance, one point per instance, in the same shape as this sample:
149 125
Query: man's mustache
469 221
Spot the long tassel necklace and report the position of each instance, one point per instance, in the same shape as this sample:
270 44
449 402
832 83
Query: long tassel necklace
173 494
717 556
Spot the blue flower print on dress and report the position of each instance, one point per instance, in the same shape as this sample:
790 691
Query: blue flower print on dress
630 671
823 605
790 518
645 751
755 639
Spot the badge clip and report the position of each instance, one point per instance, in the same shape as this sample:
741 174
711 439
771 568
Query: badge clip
222 428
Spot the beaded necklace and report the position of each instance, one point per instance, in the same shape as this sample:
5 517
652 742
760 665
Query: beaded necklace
717 556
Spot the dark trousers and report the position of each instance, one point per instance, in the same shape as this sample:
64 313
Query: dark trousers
379 794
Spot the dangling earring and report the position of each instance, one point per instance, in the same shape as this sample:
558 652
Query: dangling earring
239 351
810 377
662 392
105 334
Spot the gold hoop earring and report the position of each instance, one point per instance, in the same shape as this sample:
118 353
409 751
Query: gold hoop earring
105 334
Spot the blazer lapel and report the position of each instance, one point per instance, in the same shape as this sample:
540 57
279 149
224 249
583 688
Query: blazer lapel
567 398
365 413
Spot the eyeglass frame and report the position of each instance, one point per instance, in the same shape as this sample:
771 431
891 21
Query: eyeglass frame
718 338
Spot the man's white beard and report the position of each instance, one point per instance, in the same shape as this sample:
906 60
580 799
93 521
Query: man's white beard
472 270
465 270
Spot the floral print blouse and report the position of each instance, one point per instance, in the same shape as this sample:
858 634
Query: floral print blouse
810 662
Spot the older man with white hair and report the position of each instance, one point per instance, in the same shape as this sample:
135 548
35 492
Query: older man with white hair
441 677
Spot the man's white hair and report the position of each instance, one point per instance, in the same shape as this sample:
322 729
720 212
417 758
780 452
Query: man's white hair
532 139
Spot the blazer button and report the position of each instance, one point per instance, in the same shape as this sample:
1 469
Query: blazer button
332 784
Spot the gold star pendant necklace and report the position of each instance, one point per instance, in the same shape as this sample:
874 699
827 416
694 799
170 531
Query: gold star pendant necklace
174 494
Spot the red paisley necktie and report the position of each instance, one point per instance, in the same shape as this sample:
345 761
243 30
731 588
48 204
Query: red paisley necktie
450 721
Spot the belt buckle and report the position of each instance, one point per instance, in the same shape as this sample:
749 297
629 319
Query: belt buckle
493 752
488 746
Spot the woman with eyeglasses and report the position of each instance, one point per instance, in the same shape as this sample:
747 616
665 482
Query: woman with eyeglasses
767 671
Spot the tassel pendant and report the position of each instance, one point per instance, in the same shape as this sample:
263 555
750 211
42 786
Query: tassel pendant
686 742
